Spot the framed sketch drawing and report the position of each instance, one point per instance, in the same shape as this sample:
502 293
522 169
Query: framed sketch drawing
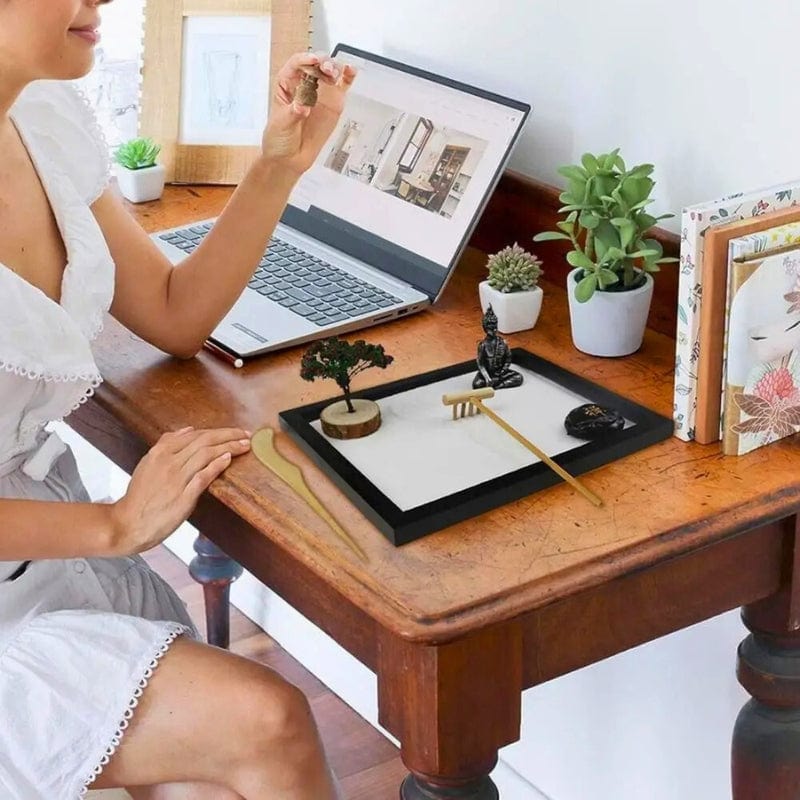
208 74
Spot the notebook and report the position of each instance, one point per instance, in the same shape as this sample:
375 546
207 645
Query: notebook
712 314
373 231
762 368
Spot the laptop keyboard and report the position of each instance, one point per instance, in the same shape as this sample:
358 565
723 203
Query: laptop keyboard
306 285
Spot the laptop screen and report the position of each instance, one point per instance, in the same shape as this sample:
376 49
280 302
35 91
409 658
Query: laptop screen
403 179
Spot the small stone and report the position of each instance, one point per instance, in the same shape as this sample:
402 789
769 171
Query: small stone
306 92
591 421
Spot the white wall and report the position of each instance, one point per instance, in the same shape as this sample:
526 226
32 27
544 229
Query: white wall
704 90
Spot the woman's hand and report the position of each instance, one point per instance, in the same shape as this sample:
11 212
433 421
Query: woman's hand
167 483
295 133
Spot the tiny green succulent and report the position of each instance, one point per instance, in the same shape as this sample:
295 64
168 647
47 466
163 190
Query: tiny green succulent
514 270
137 153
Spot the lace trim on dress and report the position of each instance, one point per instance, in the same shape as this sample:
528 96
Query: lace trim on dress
100 141
174 630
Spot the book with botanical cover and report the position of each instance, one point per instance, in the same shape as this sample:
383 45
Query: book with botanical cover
754 234
762 351
695 221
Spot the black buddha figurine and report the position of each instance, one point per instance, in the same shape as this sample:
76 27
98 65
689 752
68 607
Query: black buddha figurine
494 358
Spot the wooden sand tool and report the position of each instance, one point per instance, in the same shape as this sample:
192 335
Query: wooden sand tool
263 445
470 403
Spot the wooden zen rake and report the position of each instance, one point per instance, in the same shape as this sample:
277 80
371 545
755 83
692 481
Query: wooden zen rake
467 404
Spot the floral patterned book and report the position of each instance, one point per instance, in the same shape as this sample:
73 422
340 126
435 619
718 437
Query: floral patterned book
761 402
695 221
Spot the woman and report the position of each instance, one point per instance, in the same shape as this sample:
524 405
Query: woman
83 622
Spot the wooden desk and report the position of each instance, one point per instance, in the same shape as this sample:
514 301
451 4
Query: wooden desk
457 624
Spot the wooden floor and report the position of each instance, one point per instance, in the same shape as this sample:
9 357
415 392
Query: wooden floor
367 764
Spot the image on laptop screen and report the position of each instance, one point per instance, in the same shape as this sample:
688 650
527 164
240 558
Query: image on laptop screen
405 175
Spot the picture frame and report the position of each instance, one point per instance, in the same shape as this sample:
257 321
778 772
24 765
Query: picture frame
402 525
209 69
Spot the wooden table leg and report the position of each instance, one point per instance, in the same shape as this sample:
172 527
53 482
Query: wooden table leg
766 738
452 707
212 568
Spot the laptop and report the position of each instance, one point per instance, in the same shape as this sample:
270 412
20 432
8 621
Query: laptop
373 231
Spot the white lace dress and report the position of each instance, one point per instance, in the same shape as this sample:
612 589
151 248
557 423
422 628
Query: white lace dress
79 638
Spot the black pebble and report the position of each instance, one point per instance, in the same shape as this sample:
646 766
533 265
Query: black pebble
591 421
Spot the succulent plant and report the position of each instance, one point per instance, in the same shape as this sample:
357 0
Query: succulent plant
513 269
137 153
607 224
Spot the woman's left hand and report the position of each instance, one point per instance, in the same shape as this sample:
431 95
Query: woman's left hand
295 134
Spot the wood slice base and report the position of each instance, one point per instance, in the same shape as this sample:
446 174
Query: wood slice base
339 423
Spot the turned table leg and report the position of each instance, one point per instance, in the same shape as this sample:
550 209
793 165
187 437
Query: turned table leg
212 568
766 738
452 706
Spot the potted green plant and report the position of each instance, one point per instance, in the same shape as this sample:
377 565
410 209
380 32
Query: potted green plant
140 178
607 224
338 360
512 289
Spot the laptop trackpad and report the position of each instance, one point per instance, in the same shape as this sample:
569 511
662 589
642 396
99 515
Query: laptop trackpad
255 323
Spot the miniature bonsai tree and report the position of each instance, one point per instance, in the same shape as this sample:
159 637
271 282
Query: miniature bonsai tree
137 154
514 270
336 359
607 224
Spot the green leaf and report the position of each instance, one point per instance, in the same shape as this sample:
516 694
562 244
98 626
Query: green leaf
651 266
567 227
645 222
590 163
616 254
572 216
578 259
653 244
639 206
588 220
644 254
669 260
550 236
567 199
607 234
642 171
600 248
586 288
619 163
608 161
574 173
664 216
635 190
573 207
605 277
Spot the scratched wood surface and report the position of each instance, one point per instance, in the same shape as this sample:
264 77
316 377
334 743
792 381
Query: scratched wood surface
667 500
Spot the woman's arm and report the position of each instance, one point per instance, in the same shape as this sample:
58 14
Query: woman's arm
163 491
34 529
176 308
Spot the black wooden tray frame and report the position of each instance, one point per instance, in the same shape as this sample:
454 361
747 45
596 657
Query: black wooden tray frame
402 527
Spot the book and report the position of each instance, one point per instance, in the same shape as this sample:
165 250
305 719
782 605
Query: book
762 350
712 312
695 221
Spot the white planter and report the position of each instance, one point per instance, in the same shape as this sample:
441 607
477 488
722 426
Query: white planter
516 311
141 185
609 323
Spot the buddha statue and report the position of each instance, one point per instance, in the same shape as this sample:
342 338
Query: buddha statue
494 358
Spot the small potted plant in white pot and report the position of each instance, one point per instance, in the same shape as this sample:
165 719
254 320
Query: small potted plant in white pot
611 286
512 289
140 178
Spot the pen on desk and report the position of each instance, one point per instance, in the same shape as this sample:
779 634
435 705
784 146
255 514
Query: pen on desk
235 361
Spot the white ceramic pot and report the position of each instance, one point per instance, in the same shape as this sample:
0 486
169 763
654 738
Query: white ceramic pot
516 311
609 323
141 185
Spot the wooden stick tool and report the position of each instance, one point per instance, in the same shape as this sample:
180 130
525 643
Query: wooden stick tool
263 445
471 403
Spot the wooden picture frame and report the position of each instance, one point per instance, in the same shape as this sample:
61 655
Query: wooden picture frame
174 36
